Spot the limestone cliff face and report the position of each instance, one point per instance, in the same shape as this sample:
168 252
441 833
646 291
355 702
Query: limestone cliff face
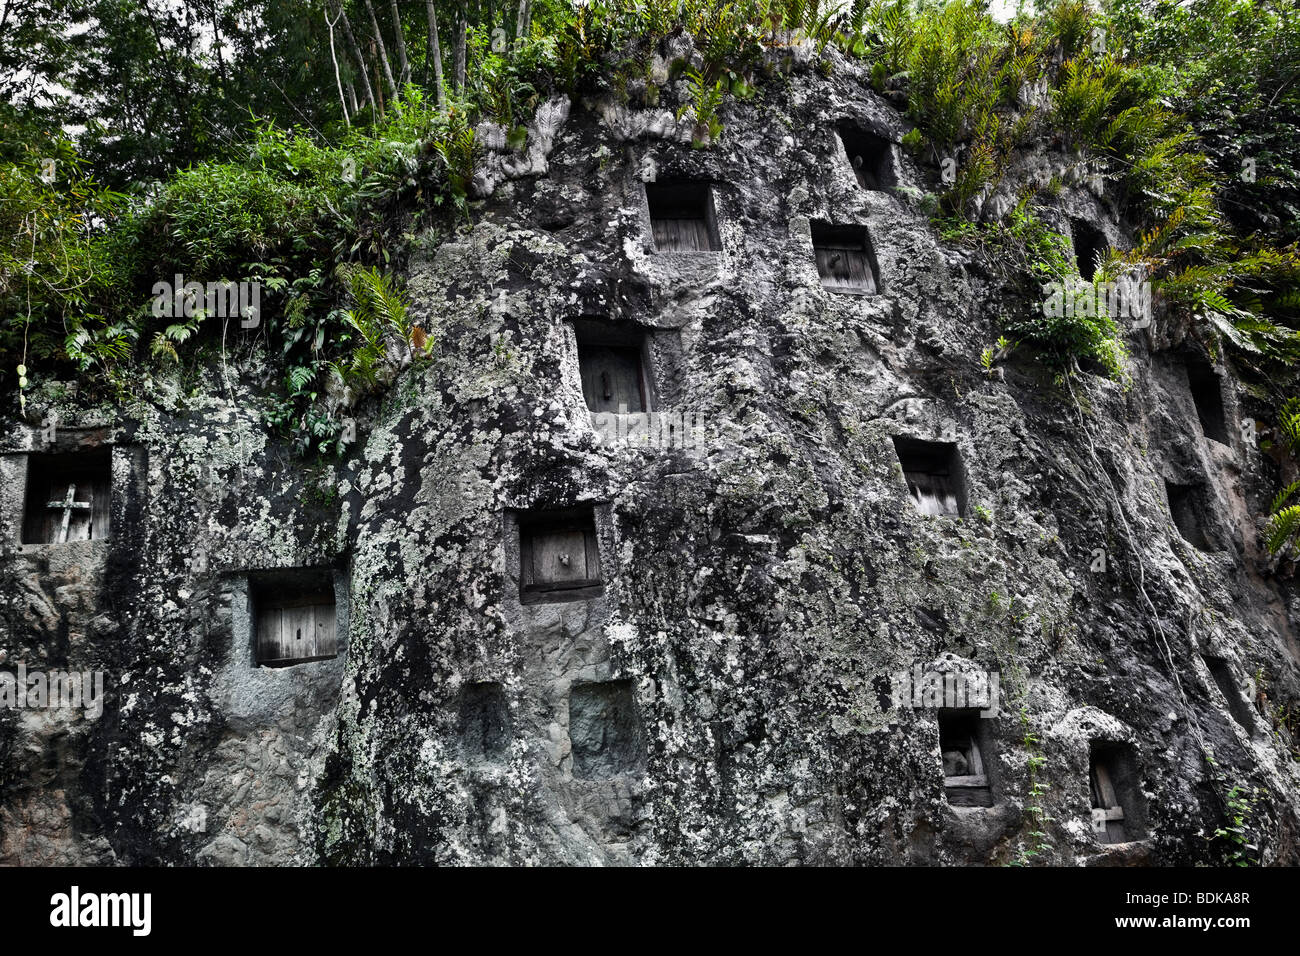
735 692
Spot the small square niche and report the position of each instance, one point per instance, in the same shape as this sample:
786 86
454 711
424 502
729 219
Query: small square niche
1187 506
295 616
604 730
1118 811
934 476
68 497
559 557
966 747
484 722
1207 396
871 156
845 260
682 217
614 364
1090 246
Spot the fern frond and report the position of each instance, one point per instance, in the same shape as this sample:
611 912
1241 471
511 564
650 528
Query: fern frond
1282 528
1283 496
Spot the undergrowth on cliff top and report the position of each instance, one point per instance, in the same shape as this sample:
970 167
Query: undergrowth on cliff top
1116 92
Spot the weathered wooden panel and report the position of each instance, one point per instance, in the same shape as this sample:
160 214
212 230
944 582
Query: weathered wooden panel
612 379
1107 815
327 644
298 632
87 512
933 474
965 780
1103 791
269 631
681 216
681 235
296 629
845 268
101 500
934 493
968 794
560 557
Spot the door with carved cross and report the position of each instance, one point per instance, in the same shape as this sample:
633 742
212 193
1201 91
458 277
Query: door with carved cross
68 499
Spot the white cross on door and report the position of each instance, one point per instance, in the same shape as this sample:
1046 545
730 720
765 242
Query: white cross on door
68 505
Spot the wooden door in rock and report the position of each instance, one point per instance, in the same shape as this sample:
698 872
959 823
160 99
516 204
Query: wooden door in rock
934 476
612 378
296 628
559 557
845 261
965 776
1107 813
682 218
68 498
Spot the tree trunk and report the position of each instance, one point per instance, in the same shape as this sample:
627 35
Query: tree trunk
216 44
435 51
523 23
461 25
361 62
334 58
383 50
379 88
403 64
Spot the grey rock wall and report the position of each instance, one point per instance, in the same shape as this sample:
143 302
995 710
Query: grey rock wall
730 696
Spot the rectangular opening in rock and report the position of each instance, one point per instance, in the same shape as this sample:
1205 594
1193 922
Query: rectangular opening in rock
613 362
295 616
871 156
934 475
1117 808
682 217
1187 506
1221 672
1090 247
845 260
1207 396
559 557
484 721
966 746
604 729
68 497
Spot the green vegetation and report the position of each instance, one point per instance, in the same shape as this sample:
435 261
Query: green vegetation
1035 795
1284 518
1236 832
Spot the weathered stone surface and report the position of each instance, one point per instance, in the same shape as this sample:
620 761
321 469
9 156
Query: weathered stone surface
763 591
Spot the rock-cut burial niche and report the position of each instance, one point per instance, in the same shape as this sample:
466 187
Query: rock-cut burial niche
484 722
1187 507
67 497
966 746
614 363
682 217
1090 246
1221 673
559 558
1118 813
1207 396
604 729
871 156
295 616
934 475
845 259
